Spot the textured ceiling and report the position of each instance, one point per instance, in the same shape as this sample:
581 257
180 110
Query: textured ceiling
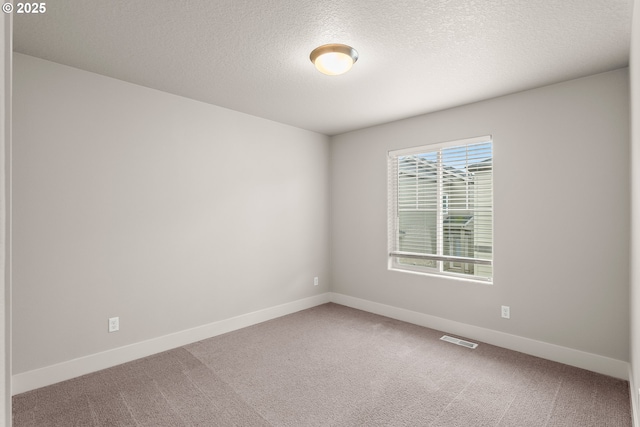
253 56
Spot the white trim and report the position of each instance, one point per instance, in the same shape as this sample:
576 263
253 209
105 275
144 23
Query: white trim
420 149
84 365
433 272
581 359
633 396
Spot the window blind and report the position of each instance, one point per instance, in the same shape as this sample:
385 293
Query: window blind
441 207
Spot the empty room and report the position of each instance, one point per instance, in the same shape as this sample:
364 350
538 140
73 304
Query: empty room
322 213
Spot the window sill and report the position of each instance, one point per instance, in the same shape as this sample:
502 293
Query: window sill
447 276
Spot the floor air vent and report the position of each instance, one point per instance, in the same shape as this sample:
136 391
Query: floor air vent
458 341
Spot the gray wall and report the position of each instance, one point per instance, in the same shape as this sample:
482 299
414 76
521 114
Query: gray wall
561 229
6 26
164 211
172 213
635 206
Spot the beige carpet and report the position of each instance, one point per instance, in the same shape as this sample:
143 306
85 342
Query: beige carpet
331 366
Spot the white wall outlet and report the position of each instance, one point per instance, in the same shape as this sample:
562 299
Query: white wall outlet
114 324
506 312
315 281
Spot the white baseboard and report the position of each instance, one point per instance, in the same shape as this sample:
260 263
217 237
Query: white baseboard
581 359
633 394
84 365
48 375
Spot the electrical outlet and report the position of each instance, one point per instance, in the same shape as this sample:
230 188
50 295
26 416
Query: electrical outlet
315 281
114 324
506 312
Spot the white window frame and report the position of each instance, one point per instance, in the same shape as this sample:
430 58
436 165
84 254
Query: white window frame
394 223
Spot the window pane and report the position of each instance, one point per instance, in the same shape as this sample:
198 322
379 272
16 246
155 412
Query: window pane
418 234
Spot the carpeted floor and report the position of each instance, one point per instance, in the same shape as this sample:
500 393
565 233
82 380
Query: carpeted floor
331 366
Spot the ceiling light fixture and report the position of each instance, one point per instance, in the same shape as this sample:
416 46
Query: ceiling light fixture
334 59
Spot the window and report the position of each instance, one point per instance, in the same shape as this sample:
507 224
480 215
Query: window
441 209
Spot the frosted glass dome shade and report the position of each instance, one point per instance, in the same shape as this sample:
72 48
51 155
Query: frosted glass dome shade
334 59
